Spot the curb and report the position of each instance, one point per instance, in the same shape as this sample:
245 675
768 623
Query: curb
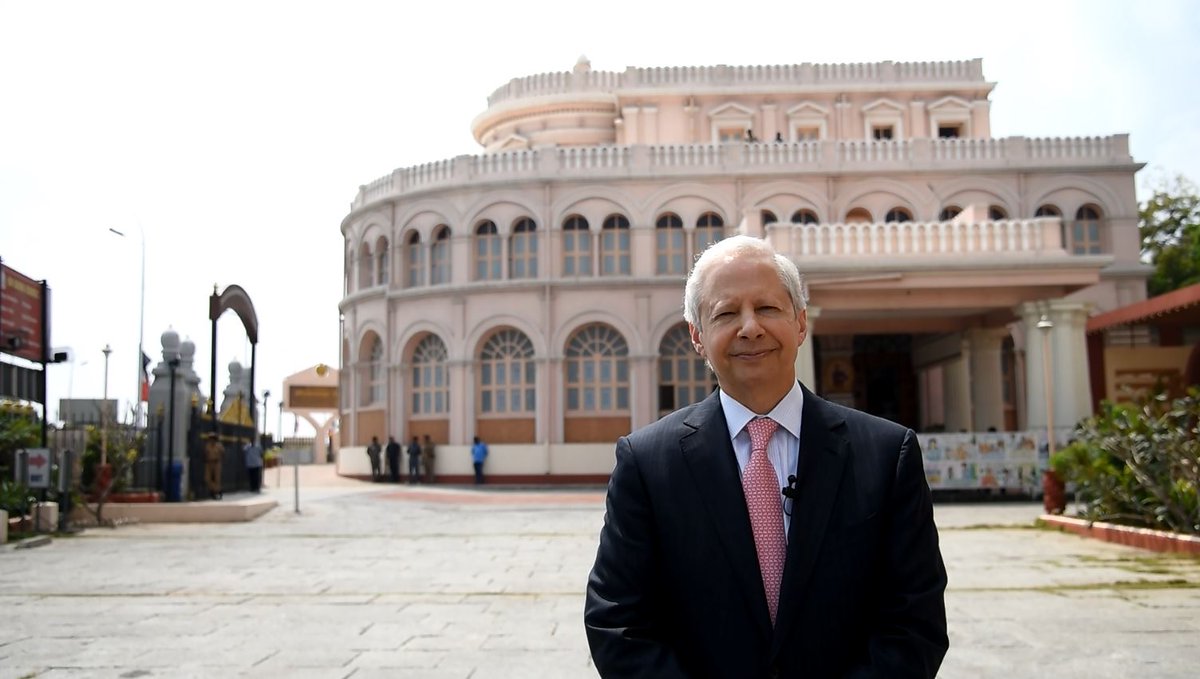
1142 538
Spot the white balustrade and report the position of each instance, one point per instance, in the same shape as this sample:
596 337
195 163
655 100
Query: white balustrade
895 239
830 156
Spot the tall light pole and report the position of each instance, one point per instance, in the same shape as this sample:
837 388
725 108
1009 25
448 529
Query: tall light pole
137 409
1046 325
104 410
266 399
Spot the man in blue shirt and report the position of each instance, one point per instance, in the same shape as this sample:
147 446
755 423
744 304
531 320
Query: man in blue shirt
479 453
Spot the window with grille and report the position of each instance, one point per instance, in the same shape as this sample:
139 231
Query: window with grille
949 212
522 250
997 213
804 217
614 246
381 262
430 382
683 377
670 245
374 374
710 228
366 276
597 372
577 247
1085 231
439 256
507 374
414 257
487 252
898 214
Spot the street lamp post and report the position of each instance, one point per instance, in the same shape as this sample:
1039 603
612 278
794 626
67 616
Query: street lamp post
1045 325
137 417
266 400
104 410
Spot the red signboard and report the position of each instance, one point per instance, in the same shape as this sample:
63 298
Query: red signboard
20 315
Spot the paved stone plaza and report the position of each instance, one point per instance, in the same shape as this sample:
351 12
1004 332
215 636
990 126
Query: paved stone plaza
372 580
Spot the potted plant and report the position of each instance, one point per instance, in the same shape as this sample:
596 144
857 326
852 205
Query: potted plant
1054 481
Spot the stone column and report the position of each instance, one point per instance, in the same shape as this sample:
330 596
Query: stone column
956 381
633 131
986 373
1067 340
806 364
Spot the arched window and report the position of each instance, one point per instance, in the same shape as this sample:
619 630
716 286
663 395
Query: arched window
487 252
898 214
614 246
347 271
683 378
414 258
366 275
439 256
949 212
522 250
997 213
804 217
430 380
858 215
1085 231
597 372
577 247
507 374
374 373
1048 211
768 217
710 228
670 245
381 262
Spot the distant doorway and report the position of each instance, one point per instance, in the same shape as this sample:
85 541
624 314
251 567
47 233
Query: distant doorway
873 373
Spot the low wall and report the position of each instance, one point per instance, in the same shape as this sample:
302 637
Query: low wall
524 463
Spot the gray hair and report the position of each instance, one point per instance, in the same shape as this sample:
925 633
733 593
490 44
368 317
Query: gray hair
727 249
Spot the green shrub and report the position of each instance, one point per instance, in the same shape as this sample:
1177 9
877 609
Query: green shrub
1138 464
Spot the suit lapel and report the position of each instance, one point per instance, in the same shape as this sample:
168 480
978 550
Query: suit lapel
818 479
708 453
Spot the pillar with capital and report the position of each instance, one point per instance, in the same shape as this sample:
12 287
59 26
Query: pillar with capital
987 381
1066 339
806 364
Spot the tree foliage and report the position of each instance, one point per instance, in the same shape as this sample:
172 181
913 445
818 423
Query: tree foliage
1169 223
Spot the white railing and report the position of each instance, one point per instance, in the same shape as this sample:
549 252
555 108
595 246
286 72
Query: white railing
508 162
706 160
968 149
1016 236
562 82
593 157
685 155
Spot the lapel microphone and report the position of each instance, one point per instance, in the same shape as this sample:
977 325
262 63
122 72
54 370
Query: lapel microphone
789 491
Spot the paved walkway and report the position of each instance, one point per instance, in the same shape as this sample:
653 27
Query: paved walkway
374 580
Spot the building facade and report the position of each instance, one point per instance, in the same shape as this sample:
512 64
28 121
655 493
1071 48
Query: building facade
532 294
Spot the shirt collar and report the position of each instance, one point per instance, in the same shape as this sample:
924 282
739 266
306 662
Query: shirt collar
786 412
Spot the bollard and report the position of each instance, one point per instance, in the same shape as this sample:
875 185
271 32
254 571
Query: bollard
45 517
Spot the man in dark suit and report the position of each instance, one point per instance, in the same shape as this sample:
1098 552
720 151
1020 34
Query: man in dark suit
715 562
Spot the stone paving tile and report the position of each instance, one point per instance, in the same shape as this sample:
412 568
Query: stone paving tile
377 581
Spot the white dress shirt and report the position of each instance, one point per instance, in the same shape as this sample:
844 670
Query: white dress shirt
783 450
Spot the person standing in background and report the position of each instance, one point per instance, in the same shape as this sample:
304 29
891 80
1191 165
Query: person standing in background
373 453
414 461
254 465
393 459
213 454
427 458
479 453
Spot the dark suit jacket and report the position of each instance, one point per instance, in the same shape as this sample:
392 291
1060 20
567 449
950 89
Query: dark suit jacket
676 590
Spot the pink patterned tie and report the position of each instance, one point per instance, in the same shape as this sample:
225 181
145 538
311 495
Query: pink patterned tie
761 486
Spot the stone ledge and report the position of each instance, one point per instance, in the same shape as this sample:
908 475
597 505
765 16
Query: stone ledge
1142 538
224 511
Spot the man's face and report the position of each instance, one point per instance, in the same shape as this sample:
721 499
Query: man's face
750 331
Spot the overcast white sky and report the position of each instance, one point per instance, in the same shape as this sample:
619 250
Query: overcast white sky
235 134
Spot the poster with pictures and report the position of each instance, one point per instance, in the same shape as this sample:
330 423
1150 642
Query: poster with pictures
1013 461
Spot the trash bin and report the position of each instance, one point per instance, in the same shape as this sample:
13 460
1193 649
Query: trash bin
174 481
